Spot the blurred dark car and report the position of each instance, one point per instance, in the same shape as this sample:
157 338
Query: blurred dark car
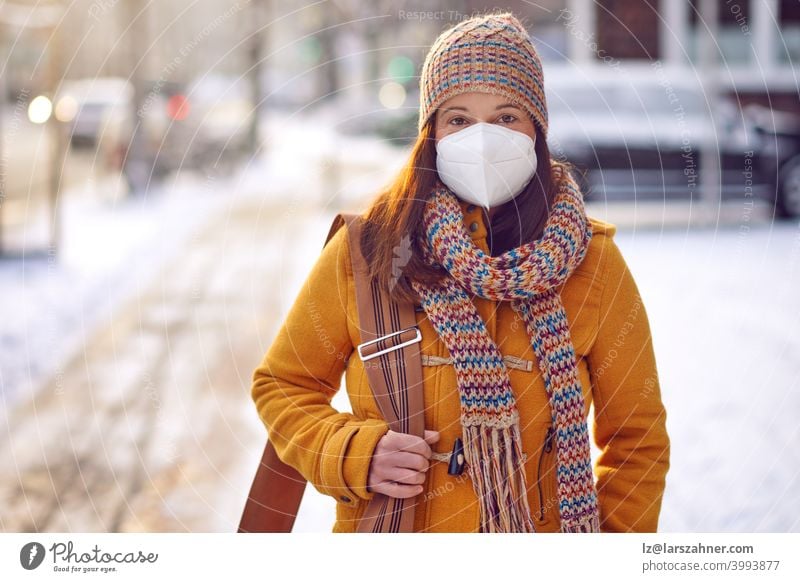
639 135
778 135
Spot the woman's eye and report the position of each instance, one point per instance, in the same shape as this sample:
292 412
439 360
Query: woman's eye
458 121
508 118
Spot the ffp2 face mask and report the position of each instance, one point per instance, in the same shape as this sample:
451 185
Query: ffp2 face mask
486 164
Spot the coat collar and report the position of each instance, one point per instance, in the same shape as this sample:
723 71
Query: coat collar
474 221
473 213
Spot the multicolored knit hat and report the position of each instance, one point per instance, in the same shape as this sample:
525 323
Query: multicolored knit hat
491 53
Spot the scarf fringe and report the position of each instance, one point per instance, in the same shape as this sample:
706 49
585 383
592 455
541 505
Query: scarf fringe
494 456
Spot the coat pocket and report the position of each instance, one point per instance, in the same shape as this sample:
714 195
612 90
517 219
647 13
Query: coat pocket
546 507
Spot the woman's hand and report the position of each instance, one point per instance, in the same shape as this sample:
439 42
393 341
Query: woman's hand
399 463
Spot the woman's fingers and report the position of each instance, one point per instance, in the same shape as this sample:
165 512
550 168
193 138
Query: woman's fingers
400 441
398 489
407 476
411 461
401 463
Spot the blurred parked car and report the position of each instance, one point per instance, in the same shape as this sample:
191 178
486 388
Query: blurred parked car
368 116
196 127
200 126
99 113
213 120
778 135
640 134
88 106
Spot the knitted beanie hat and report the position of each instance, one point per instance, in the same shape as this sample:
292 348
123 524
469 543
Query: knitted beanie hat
491 53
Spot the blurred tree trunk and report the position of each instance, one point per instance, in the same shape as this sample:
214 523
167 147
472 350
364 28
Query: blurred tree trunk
60 150
258 13
329 73
709 65
136 168
3 160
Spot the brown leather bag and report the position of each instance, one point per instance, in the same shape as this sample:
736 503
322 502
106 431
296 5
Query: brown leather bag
390 351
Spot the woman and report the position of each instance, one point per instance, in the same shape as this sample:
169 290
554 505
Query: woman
528 315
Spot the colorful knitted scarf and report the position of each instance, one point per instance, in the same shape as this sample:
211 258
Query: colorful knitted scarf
528 276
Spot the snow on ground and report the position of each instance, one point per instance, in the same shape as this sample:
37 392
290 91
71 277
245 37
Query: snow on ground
724 307
50 305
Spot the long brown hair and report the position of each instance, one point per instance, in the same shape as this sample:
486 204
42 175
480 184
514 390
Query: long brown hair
393 230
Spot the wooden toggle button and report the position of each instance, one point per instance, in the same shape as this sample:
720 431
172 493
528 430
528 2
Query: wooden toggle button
456 466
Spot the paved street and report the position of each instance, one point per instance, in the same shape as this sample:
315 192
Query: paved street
151 428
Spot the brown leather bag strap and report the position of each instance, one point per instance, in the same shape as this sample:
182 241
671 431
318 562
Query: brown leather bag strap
396 381
274 497
394 374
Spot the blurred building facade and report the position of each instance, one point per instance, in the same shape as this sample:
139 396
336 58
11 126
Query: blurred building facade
758 41
311 52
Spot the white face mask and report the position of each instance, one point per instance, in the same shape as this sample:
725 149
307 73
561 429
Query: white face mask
486 164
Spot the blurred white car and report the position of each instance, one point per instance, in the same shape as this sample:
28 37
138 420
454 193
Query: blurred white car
88 107
215 121
638 132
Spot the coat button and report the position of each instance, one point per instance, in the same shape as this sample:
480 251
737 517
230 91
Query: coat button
345 498
456 466
473 226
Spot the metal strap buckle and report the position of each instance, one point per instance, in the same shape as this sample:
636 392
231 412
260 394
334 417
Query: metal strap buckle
414 340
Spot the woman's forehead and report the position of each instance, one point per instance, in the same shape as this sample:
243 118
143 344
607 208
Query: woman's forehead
478 99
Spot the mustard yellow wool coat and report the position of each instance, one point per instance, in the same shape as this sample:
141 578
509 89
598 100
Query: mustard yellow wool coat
302 370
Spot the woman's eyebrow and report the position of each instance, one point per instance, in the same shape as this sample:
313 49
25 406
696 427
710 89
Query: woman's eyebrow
460 108
453 108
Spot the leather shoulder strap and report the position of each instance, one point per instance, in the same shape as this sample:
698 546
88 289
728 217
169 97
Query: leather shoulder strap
396 381
274 497
395 376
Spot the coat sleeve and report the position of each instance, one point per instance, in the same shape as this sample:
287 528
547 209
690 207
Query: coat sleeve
629 418
301 372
